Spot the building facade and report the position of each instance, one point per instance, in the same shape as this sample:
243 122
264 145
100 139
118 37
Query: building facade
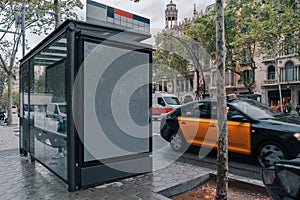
271 74
284 74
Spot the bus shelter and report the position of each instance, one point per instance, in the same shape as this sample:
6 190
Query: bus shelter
85 100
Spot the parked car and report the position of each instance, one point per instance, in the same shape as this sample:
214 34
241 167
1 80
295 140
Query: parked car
56 117
14 109
157 110
28 113
3 115
165 99
56 110
253 128
283 179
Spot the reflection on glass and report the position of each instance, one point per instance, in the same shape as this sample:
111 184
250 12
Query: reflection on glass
48 107
115 121
172 100
256 109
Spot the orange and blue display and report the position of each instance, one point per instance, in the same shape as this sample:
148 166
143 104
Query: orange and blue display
98 11
111 12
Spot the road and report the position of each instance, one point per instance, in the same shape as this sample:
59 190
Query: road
240 165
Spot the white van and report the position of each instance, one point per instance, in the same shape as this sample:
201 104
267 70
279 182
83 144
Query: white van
14 109
56 110
165 99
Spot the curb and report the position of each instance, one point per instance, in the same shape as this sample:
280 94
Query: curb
185 186
236 181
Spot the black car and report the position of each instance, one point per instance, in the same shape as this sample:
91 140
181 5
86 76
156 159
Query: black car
3 116
283 179
253 128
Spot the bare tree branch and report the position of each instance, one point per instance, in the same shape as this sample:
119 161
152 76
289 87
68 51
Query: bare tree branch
3 64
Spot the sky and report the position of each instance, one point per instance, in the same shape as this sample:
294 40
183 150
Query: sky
152 9
155 9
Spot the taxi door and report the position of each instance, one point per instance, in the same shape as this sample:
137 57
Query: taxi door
209 135
197 126
189 122
239 136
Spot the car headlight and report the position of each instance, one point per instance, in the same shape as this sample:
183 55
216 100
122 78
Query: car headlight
268 176
289 180
297 136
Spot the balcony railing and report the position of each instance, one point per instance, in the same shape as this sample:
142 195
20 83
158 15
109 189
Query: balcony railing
268 58
282 55
270 82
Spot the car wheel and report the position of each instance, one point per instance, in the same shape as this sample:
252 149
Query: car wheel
177 142
270 152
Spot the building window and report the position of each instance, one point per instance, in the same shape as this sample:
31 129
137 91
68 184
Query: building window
192 83
165 86
227 78
289 71
247 76
182 86
207 82
271 73
214 79
232 79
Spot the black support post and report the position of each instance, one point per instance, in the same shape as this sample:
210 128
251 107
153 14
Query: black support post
70 122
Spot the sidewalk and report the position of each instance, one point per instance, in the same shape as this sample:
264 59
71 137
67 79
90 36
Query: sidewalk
22 179
9 137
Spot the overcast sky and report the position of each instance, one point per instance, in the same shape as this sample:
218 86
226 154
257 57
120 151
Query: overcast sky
152 9
155 9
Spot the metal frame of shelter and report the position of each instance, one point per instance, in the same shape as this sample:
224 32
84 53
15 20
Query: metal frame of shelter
65 46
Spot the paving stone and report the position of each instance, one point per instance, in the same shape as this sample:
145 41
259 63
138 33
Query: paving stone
22 179
115 196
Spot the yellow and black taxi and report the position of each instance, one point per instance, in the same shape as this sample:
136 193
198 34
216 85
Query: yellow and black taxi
253 128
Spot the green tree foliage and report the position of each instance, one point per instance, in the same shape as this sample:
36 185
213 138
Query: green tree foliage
167 63
38 20
4 99
240 36
204 29
273 26
278 30
188 48
279 26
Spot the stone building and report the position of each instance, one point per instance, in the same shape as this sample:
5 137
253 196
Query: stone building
267 78
287 73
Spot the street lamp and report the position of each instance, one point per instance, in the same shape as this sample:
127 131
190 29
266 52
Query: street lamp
193 52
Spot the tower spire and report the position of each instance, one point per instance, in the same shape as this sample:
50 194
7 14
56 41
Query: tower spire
195 10
171 15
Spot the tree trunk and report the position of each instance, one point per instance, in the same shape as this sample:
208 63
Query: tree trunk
9 96
222 168
57 10
279 85
197 86
250 90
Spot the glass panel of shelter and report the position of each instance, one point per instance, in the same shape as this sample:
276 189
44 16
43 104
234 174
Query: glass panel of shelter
48 99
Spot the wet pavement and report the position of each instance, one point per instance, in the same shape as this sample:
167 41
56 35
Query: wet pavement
22 179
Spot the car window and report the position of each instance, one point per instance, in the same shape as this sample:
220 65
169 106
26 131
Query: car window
55 110
63 109
213 111
160 101
172 100
191 110
204 110
255 109
232 112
